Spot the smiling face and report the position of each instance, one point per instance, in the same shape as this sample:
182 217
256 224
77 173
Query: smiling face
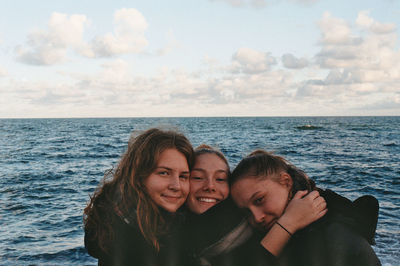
208 183
168 184
265 198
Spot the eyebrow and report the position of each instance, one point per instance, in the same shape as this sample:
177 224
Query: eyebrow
253 196
170 169
203 170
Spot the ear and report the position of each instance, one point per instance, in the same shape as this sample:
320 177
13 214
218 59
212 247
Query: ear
285 180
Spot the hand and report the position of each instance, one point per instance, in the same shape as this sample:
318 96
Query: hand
302 211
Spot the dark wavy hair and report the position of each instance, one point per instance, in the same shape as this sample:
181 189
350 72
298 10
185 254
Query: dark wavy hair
264 164
123 190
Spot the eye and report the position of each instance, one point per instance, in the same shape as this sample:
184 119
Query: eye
163 173
184 177
221 179
259 200
199 178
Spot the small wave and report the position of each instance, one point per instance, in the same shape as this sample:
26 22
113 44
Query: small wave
72 254
392 144
24 239
308 127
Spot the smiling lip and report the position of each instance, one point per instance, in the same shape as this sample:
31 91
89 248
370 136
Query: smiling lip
171 198
207 200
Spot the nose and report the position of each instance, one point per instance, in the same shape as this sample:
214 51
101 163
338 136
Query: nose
258 215
209 185
174 183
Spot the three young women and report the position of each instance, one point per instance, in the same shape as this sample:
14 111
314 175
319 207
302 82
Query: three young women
133 217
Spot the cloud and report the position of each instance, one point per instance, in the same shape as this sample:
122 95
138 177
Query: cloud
262 3
241 3
367 22
374 58
290 61
247 60
65 32
3 72
47 47
355 72
172 44
128 36
336 31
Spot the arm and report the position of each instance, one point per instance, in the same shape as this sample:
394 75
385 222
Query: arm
300 212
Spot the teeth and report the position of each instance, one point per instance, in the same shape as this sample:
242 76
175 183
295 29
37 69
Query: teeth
207 200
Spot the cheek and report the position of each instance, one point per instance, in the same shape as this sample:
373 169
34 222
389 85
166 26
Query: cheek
185 187
224 189
195 186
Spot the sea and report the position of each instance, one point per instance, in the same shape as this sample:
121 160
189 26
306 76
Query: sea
49 167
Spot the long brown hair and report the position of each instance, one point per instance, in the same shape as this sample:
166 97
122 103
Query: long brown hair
122 190
264 164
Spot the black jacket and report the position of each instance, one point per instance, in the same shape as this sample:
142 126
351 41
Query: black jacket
129 247
340 238
222 236
343 237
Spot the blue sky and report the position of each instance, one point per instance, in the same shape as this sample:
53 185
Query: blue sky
199 58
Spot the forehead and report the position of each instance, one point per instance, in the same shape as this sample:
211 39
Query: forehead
243 189
172 158
210 161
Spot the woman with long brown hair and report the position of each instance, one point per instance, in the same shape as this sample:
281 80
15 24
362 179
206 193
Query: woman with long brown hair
131 218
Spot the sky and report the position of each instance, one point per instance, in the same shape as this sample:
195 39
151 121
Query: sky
199 58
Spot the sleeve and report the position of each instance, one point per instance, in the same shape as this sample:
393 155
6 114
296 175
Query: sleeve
91 244
348 248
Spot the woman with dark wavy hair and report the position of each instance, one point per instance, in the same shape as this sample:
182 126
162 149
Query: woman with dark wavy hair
131 218
264 184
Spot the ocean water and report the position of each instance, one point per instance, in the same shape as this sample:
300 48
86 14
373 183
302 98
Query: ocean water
48 168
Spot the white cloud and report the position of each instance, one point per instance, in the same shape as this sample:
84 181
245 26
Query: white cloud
65 32
128 36
369 23
362 67
262 3
240 3
172 44
354 70
336 31
373 59
47 47
3 72
247 60
290 61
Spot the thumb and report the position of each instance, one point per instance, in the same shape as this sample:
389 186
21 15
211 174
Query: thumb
300 194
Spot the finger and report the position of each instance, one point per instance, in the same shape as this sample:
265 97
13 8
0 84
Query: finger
322 213
322 206
314 194
300 194
319 200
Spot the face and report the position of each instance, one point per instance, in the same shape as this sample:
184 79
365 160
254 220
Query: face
168 185
208 183
264 198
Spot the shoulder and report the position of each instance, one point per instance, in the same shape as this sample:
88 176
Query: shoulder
348 247
361 214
